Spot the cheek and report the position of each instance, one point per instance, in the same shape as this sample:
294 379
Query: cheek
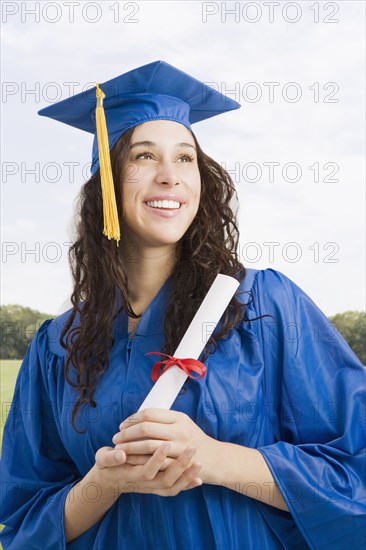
197 189
193 179
128 203
133 179
130 194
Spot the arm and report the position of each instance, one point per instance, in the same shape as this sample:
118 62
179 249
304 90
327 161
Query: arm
318 384
81 513
36 470
244 470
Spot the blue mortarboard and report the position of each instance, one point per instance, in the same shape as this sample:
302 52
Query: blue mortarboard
156 91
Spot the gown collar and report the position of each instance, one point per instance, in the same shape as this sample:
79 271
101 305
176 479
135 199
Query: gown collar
151 321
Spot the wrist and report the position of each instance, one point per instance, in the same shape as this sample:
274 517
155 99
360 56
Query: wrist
212 471
86 503
109 489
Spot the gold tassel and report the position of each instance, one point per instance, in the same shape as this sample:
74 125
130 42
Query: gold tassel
110 214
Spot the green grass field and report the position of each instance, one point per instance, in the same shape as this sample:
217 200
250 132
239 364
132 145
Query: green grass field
8 374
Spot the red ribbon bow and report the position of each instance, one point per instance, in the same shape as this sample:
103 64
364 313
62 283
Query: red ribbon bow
187 365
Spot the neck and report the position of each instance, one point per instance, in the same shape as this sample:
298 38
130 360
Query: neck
147 270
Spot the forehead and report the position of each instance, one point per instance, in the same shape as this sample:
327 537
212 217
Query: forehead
162 131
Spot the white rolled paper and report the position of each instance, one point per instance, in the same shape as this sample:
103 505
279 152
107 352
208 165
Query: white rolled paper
166 388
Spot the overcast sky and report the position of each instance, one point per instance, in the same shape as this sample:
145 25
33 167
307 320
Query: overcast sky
295 148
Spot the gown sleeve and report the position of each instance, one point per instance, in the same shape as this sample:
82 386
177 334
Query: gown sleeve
36 471
315 394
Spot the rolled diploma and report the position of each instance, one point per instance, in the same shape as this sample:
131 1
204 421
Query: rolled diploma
166 388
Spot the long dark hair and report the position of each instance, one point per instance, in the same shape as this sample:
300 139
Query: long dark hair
209 247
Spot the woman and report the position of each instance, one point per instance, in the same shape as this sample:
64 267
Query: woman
264 451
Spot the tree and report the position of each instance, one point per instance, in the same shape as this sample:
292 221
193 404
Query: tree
18 326
352 326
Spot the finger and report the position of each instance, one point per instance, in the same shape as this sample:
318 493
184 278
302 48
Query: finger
189 479
146 447
152 466
143 430
107 457
175 470
167 462
197 482
163 416
138 460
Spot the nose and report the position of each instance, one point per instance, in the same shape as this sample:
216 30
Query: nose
167 174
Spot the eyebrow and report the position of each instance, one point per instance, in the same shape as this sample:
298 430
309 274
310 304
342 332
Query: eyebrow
152 144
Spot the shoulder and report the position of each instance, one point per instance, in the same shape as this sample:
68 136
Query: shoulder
269 284
272 294
55 328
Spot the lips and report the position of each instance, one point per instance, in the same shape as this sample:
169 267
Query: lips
163 212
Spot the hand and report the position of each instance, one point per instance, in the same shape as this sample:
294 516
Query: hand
143 433
113 472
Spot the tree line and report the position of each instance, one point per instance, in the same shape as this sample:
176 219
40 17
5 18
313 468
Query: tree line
18 325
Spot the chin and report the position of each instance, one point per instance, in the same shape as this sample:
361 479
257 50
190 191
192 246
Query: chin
164 237
159 242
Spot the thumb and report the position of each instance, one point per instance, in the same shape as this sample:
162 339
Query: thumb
108 457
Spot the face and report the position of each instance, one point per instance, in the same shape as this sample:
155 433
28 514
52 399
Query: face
162 185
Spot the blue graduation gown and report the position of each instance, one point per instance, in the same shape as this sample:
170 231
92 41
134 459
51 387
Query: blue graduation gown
286 384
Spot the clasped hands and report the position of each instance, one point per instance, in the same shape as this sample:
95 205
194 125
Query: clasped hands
155 447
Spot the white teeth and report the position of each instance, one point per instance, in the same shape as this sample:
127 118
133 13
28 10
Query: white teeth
164 204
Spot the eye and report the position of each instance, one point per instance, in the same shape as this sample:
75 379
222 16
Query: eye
186 157
144 154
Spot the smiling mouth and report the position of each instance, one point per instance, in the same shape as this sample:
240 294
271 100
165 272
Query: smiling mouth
164 205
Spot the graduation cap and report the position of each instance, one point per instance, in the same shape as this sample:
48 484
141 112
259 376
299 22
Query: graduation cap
156 91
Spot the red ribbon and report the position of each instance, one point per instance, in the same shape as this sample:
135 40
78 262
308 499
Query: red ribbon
187 365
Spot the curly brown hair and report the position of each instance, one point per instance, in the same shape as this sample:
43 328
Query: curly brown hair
208 247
